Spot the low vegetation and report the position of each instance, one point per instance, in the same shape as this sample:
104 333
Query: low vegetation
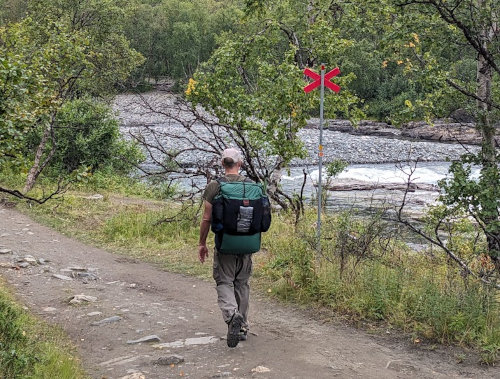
30 348
363 272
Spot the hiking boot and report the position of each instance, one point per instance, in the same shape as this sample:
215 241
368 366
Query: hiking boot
243 335
233 330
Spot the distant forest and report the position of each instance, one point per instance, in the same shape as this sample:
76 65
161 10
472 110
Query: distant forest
397 58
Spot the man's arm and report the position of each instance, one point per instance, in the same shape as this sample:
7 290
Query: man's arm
204 229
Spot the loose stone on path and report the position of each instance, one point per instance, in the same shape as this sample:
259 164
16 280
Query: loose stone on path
170 360
188 342
79 299
108 320
261 369
28 259
151 338
5 251
135 375
61 277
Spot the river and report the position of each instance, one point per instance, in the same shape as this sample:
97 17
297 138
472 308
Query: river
372 159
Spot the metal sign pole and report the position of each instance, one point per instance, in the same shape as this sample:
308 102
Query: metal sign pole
321 80
320 153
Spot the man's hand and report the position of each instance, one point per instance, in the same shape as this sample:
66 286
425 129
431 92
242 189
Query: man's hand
202 253
204 229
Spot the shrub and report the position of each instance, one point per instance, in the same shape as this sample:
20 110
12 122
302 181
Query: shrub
363 272
87 134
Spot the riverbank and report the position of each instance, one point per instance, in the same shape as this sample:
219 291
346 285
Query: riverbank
135 112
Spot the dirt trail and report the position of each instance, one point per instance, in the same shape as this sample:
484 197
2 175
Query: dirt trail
182 311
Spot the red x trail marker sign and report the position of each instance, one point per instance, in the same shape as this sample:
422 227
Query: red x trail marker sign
317 80
321 80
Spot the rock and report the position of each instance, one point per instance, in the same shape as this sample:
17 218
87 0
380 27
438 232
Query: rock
225 374
170 360
28 259
76 268
6 265
79 299
462 116
50 309
108 320
24 265
442 131
188 342
401 366
91 314
84 275
43 261
61 277
135 375
151 338
365 127
5 251
261 369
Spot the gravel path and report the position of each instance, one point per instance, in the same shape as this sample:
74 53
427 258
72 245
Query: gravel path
136 300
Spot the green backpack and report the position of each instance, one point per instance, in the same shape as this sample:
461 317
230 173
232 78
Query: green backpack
240 213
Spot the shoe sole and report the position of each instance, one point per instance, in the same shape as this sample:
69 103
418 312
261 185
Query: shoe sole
234 330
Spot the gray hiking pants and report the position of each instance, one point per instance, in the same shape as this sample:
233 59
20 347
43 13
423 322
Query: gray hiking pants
231 274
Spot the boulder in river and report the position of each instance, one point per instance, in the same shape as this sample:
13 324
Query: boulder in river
443 131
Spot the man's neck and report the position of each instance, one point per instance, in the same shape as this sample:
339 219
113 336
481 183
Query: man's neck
232 172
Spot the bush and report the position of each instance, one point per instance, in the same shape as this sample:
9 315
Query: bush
363 272
87 134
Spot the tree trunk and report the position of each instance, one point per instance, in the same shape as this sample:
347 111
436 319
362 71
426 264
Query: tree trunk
38 167
489 170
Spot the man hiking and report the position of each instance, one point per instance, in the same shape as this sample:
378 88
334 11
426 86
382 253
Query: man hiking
233 207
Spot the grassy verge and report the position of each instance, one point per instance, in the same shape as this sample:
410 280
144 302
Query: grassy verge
379 280
29 348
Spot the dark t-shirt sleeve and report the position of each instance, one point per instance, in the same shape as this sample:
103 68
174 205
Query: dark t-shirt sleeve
211 191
